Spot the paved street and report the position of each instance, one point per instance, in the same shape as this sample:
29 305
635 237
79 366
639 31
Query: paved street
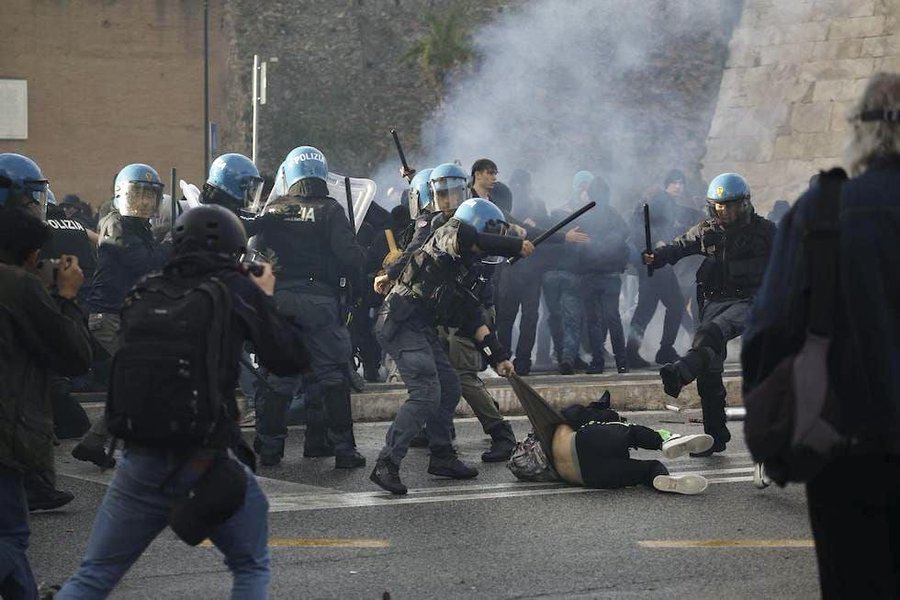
335 535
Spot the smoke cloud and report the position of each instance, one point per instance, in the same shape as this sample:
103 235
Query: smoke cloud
622 88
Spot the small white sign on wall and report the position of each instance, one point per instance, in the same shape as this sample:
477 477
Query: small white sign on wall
13 109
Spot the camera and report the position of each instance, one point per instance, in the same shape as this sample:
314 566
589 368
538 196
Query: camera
252 267
48 270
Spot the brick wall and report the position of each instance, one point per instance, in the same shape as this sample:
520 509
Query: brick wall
111 82
796 67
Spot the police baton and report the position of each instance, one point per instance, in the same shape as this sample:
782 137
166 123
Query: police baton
400 152
350 214
647 239
174 202
557 227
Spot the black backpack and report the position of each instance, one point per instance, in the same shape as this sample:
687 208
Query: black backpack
793 424
166 380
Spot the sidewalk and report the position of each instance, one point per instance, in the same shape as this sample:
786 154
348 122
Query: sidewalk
640 390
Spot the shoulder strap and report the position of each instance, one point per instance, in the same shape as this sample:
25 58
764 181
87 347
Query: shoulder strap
822 246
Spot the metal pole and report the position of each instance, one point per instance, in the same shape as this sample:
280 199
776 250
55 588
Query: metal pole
205 87
255 105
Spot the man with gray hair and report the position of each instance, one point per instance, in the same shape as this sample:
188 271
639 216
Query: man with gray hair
854 501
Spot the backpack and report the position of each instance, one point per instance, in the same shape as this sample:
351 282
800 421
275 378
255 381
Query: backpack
166 380
792 424
529 463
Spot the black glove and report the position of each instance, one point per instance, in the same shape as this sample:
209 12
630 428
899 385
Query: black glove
711 238
492 349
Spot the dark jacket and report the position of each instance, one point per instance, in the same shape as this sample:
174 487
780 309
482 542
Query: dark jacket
126 253
607 251
38 334
864 356
275 339
310 238
735 258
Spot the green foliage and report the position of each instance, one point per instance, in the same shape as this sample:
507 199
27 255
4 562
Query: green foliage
446 45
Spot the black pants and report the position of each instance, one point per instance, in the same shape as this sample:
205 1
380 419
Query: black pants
854 510
518 287
603 456
601 311
362 333
662 287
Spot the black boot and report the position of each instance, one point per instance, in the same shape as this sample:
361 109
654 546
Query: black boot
316 443
522 366
387 476
42 495
633 355
503 441
684 370
349 461
446 464
666 355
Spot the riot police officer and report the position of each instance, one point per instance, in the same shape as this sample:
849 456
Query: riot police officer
127 252
438 287
736 243
308 239
23 185
233 182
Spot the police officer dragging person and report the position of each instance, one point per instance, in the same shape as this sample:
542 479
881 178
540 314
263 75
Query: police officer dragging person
438 287
172 401
308 238
736 243
127 252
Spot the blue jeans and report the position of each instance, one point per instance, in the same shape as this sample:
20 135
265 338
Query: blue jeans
134 511
16 578
562 293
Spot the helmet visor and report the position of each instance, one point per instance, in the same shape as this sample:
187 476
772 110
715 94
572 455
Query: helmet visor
37 194
140 199
253 192
449 193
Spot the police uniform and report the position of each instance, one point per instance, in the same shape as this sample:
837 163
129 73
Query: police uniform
312 247
68 236
735 261
464 355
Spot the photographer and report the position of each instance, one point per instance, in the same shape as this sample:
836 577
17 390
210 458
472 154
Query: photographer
200 489
38 333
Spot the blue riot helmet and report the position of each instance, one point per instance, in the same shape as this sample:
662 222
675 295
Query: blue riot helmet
728 200
233 182
449 187
305 170
138 191
23 184
483 215
420 197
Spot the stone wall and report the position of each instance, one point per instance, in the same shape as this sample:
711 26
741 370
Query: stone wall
795 68
340 81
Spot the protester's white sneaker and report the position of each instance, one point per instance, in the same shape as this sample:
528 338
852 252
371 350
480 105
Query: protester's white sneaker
680 484
760 479
679 445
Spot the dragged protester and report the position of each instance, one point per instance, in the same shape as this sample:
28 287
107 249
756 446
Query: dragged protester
590 446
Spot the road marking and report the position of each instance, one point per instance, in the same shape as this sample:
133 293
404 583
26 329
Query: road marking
317 543
726 544
368 499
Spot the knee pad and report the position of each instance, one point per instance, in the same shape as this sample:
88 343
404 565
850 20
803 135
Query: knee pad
709 335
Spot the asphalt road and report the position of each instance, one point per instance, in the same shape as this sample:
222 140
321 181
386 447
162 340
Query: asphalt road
333 534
